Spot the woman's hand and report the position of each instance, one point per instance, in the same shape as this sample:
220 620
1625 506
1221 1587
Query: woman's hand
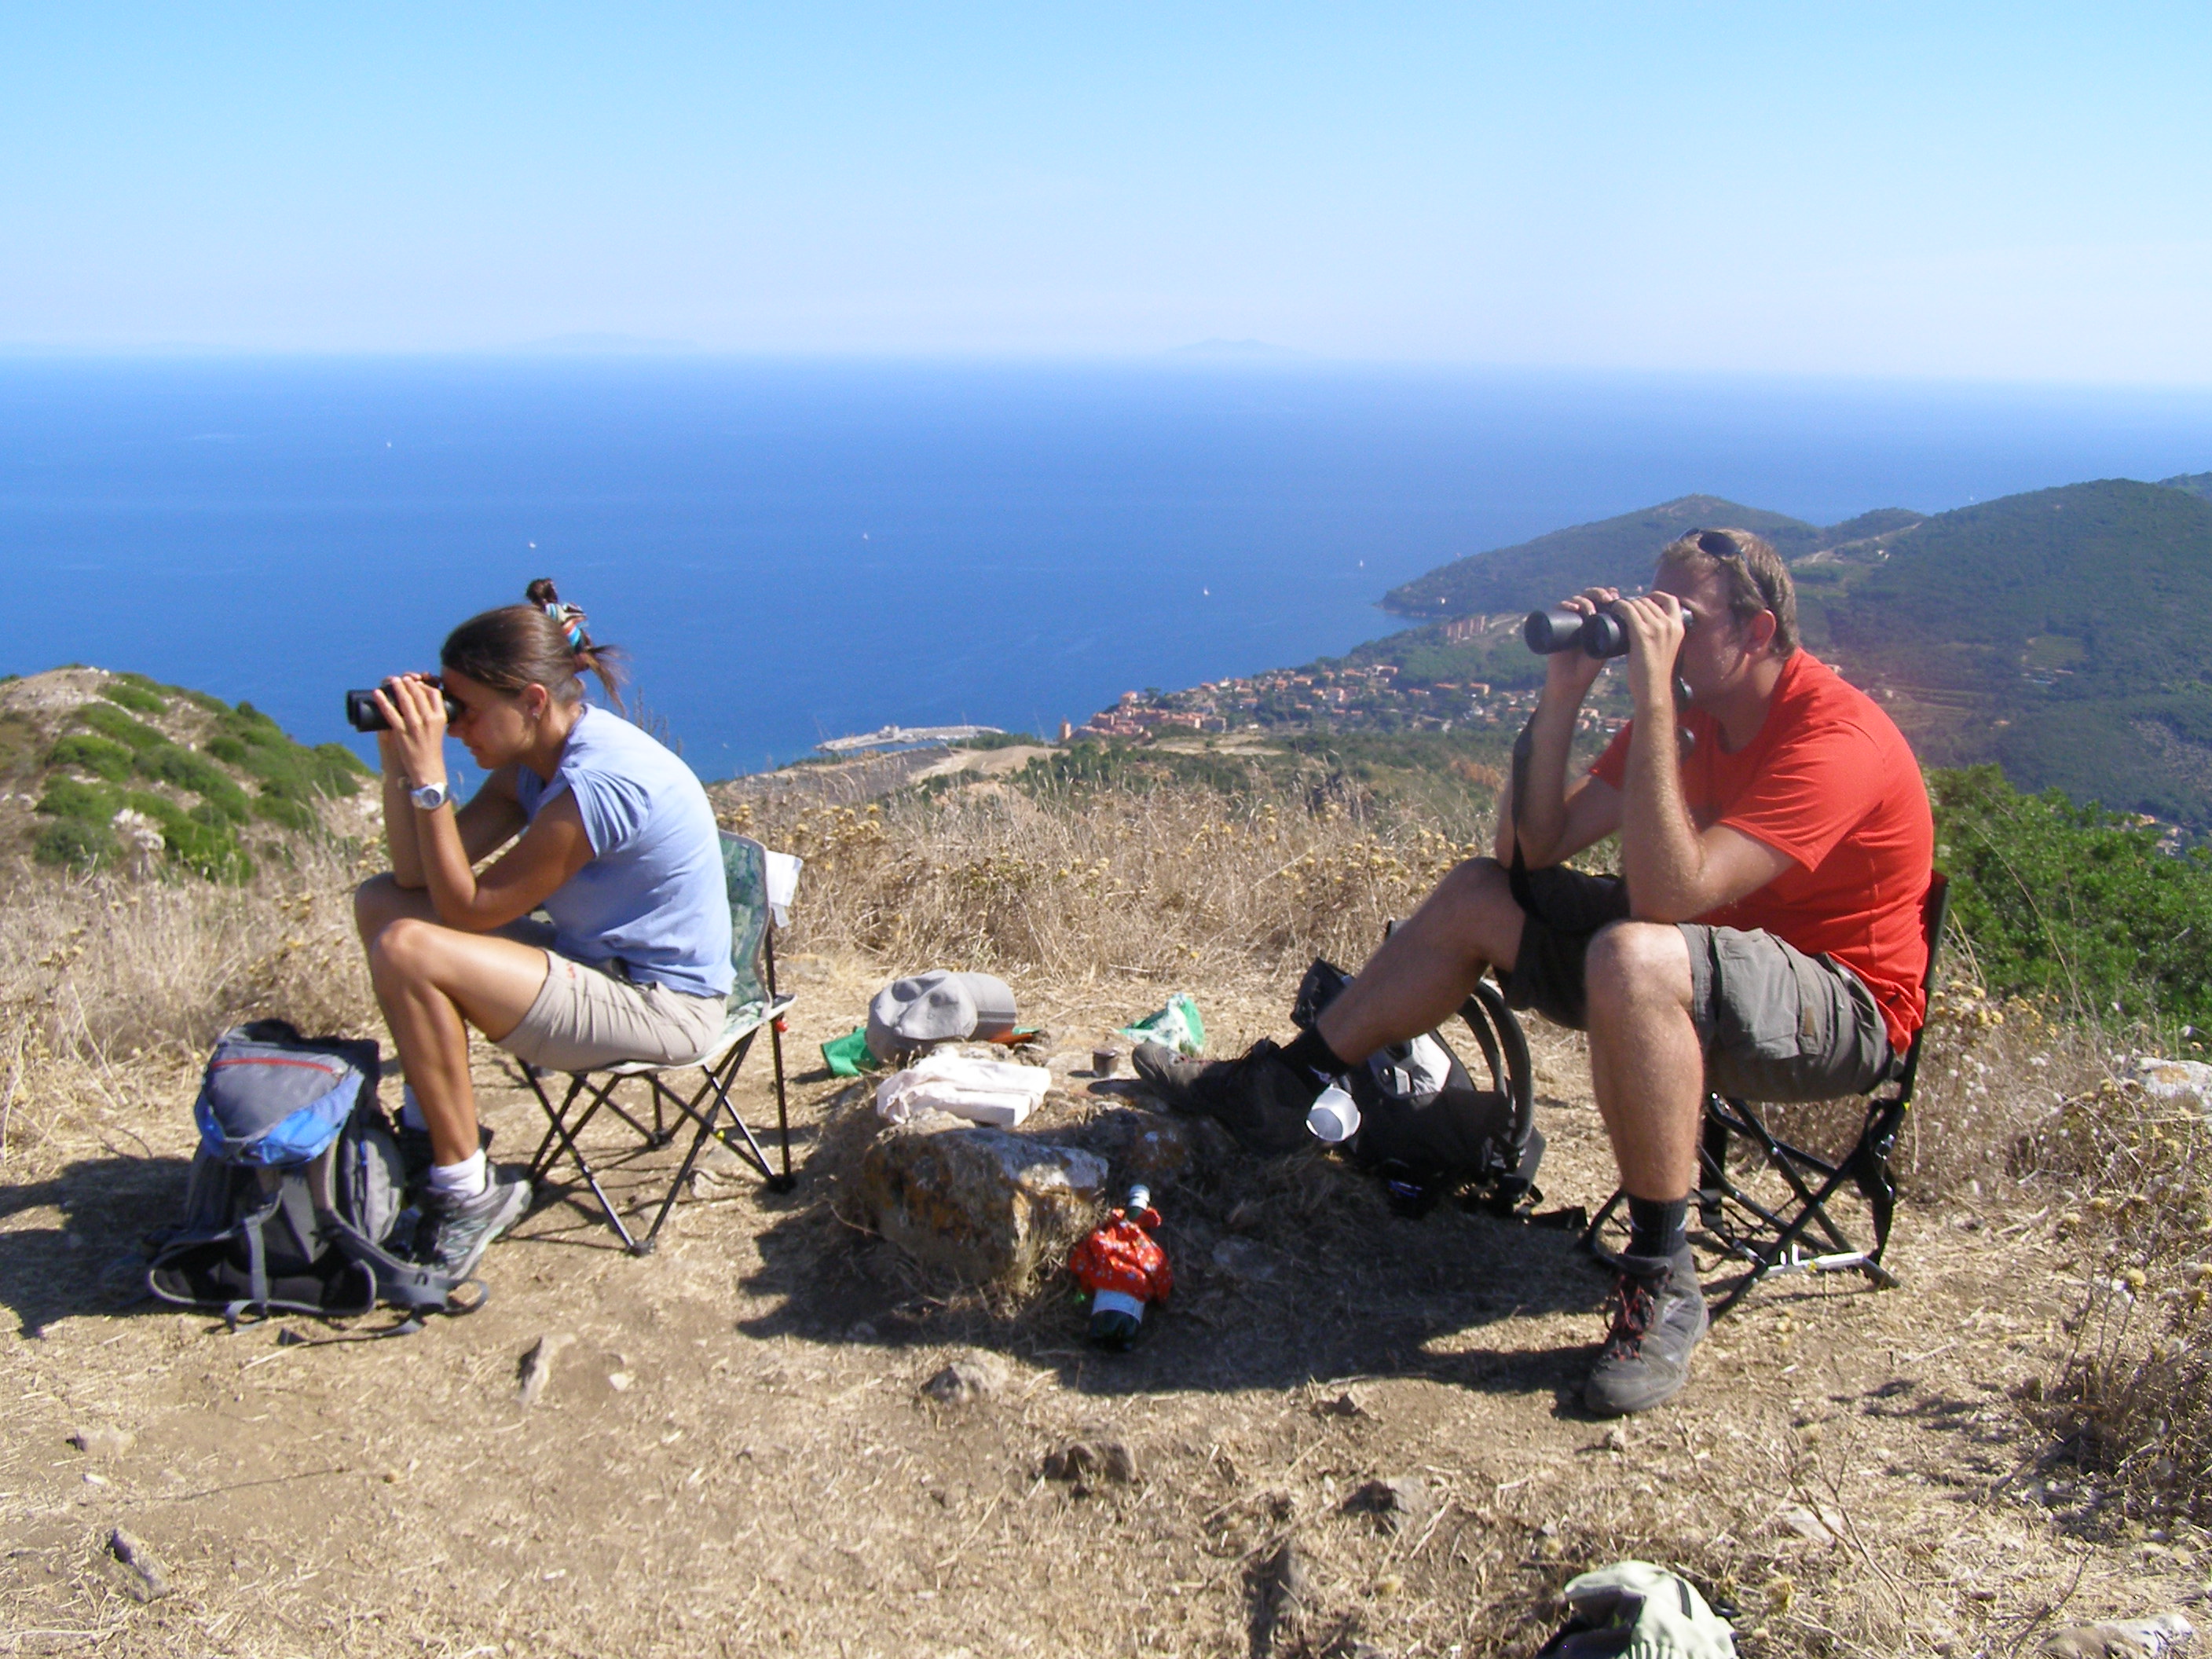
414 707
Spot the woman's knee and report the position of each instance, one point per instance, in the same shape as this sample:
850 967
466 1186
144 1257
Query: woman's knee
404 948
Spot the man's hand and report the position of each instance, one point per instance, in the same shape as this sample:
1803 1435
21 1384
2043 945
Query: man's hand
1656 623
1568 675
415 709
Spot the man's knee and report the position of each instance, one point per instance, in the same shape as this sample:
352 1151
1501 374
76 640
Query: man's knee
1477 886
1636 961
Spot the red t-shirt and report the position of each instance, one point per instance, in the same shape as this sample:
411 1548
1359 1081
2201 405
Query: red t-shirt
1829 782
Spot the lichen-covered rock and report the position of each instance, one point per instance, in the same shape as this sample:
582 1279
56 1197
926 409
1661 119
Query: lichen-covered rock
1148 1146
986 1204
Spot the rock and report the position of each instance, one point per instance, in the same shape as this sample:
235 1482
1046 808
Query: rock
1276 1589
2128 1639
142 1574
1812 1528
536 1369
2169 1079
1150 1147
1110 1460
103 1440
1345 1405
970 1378
124 1279
986 1204
1396 1503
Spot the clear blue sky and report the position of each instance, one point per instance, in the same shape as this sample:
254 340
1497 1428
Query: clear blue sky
2019 192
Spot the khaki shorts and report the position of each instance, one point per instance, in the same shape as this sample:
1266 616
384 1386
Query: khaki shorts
586 1017
1775 1024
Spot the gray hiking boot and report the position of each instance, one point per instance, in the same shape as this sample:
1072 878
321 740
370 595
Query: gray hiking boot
1658 1315
1259 1097
455 1232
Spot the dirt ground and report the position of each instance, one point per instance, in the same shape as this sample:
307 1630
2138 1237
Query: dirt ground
734 1453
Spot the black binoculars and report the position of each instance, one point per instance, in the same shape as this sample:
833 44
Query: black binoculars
363 716
1600 634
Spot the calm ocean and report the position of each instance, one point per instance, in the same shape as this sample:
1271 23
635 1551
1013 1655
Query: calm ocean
796 550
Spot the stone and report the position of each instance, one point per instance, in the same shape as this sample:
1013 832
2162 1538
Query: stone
142 1575
1150 1147
970 1378
988 1205
2170 1079
1397 1503
1078 1460
535 1369
103 1440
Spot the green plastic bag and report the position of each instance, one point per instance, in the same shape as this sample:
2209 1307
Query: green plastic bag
1177 1025
848 1055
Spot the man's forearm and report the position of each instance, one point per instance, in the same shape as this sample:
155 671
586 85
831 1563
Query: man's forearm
1661 854
1541 821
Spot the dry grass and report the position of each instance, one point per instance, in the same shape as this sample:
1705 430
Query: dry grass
1159 881
113 986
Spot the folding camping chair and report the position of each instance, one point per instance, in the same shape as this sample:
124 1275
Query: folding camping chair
1769 1237
755 1007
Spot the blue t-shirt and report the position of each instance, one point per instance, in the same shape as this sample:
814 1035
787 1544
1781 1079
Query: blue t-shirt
654 895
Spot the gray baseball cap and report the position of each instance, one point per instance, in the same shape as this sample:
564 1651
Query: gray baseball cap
937 1007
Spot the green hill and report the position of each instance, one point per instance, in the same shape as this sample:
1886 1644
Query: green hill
102 768
2059 633
1613 552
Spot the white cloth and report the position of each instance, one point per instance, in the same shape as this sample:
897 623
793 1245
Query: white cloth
994 1091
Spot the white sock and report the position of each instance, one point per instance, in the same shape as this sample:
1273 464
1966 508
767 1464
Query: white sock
411 1110
466 1179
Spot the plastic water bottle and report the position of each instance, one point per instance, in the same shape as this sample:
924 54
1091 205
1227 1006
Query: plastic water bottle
1334 1116
1122 1268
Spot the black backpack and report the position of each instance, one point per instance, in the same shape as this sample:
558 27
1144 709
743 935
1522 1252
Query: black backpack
1425 1127
296 1199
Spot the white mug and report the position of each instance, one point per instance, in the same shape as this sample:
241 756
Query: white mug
1334 1116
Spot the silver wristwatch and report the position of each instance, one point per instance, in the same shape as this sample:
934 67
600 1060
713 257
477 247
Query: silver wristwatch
430 797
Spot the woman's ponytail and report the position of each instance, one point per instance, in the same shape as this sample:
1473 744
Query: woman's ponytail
543 642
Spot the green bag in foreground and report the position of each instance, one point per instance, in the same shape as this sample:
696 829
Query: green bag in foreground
1633 1610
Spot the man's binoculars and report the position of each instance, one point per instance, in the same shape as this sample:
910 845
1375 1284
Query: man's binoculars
363 716
1599 634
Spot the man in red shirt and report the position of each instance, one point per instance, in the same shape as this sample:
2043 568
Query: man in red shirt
1763 938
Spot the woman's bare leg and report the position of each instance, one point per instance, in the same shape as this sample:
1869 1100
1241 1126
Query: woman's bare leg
430 980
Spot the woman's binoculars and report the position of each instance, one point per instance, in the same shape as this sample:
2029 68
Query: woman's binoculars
1599 634
363 716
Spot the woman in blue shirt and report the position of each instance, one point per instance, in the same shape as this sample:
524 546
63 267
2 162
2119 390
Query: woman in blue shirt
618 845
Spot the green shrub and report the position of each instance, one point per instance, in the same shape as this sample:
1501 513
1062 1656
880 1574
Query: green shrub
2074 900
283 810
112 722
199 774
136 693
228 750
74 842
67 798
88 753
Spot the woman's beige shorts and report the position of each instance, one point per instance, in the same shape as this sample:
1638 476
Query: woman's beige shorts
584 1017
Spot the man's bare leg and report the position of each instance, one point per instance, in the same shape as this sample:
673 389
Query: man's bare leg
1421 974
1647 1069
1648 1073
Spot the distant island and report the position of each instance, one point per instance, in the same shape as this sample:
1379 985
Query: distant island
2060 633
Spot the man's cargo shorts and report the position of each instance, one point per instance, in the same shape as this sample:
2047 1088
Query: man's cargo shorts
1775 1024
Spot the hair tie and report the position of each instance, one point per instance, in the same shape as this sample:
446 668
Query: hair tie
570 618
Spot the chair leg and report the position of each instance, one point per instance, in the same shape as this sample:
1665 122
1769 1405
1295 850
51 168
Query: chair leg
560 1130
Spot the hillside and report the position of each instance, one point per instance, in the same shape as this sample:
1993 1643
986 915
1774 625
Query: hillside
101 769
1613 552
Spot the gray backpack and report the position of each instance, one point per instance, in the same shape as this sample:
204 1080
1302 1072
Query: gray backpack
296 1199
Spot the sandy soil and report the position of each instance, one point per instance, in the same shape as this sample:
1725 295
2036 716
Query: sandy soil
734 1455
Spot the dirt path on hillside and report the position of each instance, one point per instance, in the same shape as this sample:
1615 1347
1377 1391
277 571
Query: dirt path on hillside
734 1454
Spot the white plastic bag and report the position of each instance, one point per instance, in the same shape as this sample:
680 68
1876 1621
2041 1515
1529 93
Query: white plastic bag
997 1092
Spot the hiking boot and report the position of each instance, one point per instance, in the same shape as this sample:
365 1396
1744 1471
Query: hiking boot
1658 1315
1259 1097
455 1231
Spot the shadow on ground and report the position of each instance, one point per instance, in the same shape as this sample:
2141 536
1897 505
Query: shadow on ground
89 1264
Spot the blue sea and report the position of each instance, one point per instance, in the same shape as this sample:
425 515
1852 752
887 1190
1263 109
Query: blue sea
794 550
